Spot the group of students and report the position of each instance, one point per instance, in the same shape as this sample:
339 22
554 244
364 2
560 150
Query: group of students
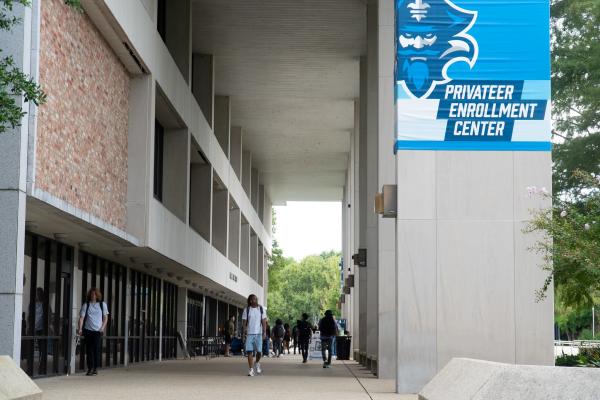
93 318
254 322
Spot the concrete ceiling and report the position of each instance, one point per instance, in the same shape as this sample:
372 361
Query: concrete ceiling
291 68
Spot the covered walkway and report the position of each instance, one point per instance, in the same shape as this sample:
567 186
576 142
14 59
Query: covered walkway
221 378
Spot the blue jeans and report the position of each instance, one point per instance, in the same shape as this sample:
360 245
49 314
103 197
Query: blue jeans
326 347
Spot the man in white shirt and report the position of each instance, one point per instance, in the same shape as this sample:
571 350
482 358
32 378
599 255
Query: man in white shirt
254 322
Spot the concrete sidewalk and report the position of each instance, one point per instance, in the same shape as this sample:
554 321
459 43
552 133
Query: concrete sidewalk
224 378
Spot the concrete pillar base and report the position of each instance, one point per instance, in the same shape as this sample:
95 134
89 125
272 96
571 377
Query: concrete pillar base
372 364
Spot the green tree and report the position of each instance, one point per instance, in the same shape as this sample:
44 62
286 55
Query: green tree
576 66
14 83
311 286
571 243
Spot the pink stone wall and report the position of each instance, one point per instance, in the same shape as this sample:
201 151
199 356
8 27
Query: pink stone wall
81 153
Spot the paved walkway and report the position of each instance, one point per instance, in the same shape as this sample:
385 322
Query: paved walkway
224 378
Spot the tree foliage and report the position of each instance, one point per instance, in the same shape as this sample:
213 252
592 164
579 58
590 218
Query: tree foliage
576 66
570 231
571 243
310 286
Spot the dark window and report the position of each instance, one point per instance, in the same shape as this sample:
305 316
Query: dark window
45 324
159 142
161 19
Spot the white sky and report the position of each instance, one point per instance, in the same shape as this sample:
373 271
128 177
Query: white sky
306 228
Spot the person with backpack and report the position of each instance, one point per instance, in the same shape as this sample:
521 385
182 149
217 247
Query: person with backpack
328 331
254 322
278 335
93 318
304 334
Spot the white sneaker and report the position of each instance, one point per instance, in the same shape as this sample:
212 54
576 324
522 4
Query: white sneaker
251 372
258 368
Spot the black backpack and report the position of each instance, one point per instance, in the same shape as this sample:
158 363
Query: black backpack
304 330
279 331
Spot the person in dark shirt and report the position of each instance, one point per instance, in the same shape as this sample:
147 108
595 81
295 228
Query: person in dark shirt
304 334
328 330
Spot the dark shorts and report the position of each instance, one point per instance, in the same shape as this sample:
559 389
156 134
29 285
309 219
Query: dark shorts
228 339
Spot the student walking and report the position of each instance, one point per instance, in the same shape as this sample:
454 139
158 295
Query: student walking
92 322
254 321
278 335
304 334
328 330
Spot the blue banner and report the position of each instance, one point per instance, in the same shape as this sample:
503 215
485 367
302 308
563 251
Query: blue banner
473 75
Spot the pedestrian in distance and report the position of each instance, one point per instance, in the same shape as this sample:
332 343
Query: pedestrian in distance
295 335
267 341
287 337
93 318
328 331
229 333
304 333
278 334
254 322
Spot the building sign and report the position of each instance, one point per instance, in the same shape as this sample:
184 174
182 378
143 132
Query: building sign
472 75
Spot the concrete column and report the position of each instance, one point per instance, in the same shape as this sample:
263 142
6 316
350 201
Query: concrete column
140 153
160 330
372 186
175 172
235 149
203 84
267 216
182 311
13 164
235 217
386 175
261 264
223 122
76 294
356 205
245 246
253 255
363 208
266 281
220 225
247 172
254 189
201 196
261 202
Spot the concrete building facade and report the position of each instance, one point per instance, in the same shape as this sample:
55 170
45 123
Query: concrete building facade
170 130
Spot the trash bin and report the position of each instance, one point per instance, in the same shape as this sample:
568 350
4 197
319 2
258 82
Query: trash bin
343 347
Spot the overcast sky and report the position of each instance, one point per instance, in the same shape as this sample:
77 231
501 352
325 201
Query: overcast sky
305 228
